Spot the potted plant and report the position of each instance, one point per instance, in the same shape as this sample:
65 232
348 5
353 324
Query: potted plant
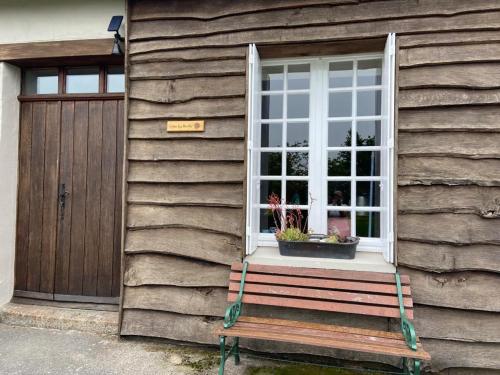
295 240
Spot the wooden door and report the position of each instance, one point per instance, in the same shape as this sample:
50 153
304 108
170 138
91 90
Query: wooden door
69 200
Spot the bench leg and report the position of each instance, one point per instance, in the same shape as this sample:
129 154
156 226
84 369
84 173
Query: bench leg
222 340
237 351
411 366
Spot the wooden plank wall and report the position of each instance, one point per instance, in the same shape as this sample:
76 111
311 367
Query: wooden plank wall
186 192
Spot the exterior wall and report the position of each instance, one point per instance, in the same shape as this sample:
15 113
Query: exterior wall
23 21
10 85
186 192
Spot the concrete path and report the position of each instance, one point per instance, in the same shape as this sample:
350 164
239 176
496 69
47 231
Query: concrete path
37 351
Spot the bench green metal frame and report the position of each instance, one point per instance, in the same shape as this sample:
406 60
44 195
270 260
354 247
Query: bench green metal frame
410 366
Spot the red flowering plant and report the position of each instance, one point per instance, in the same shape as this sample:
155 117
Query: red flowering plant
290 225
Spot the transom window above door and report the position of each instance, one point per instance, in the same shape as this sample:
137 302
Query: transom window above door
74 80
320 138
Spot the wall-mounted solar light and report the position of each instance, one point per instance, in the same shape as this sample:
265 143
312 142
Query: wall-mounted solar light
114 26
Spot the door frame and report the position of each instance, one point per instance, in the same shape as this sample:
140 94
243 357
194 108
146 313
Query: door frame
103 62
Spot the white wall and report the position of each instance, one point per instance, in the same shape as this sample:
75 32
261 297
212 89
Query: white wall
49 20
10 83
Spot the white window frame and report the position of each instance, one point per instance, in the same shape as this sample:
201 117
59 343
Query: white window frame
318 107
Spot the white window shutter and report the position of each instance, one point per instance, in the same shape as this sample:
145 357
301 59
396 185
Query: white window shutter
253 141
387 185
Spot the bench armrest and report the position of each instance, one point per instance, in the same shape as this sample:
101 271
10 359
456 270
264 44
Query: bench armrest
232 314
234 310
407 327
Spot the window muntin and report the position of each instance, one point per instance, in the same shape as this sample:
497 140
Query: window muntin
310 109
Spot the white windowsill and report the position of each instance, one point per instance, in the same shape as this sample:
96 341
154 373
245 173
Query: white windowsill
364 261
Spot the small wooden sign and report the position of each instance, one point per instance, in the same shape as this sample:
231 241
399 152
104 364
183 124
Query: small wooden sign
186 126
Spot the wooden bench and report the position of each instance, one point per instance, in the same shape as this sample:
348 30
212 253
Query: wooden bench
362 293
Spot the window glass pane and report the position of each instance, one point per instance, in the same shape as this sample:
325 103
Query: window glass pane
272 78
298 106
299 218
369 103
368 133
270 164
297 163
339 163
340 104
271 135
115 79
367 224
340 74
339 193
82 80
368 163
298 77
267 223
339 134
369 72
41 81
339 222
368 193
297 134
272 106
296 192
267 188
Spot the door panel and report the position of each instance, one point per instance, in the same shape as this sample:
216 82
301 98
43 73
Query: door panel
69 211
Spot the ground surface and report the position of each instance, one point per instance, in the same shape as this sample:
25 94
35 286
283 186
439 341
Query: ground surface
37 351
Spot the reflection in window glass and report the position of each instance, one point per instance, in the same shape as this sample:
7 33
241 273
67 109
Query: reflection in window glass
339 134
297 134
368 133
368 163
340 104
298 77
298 106
339 193
267 188
272 106
297 163
369 72
82 80
339 163
115 79
41 81
340 74
267 223
270 164
339 221
296 192
369 103
368 193
367 224
270 135
272 78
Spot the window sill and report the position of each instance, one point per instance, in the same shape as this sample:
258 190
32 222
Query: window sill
364 261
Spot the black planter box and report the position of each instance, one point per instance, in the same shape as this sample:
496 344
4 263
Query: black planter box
316 249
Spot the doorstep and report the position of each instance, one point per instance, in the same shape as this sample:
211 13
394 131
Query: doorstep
100 322
364 261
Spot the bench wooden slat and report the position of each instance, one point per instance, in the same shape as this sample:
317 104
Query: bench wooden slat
347 336
387 312
374 277
321 283
325 342
321 326
324 294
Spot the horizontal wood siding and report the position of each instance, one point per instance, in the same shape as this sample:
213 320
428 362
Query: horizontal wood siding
186 193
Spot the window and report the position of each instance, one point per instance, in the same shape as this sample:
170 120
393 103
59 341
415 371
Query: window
74 80
320 137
